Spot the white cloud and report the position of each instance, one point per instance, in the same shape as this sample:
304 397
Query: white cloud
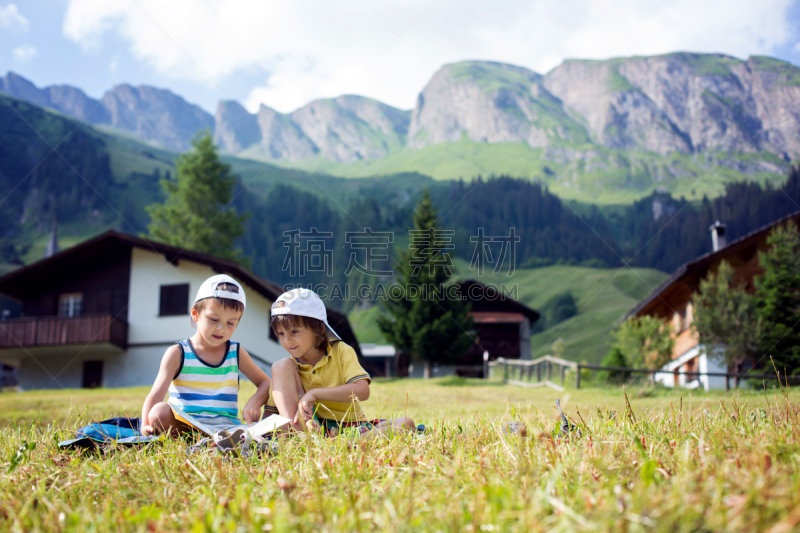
11 18
24 53
317 48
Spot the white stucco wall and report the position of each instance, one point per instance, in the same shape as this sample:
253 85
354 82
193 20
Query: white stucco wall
137 366
149 271
62 366
705 364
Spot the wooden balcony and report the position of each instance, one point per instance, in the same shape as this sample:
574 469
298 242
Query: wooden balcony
61 331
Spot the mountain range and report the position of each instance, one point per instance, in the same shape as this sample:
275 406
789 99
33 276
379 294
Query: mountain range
638 122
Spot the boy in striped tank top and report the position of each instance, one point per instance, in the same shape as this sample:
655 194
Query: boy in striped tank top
202 372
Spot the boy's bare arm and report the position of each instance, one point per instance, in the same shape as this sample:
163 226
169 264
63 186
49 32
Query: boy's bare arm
169 366
252 409
341 393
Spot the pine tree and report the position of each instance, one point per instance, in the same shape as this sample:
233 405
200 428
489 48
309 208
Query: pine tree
726 319
430 328
778 291
194 214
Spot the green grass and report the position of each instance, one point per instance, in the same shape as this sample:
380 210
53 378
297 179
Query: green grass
789 73
363 323
606 177
670 463
618 83
491 77
710 64
462 159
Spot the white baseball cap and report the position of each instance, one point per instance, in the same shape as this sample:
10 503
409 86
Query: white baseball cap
304 302
209 290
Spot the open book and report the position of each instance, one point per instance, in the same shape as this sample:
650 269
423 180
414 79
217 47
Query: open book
211 426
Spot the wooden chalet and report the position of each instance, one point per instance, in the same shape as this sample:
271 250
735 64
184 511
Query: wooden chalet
672 300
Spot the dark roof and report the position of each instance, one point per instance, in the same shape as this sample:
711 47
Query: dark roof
13 284
113 238
494 301
706 260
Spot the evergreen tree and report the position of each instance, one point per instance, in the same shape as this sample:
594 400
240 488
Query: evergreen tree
779 299
726 319
644 341
435 329
193 214
615 357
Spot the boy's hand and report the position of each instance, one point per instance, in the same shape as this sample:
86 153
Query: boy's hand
251 411
305 407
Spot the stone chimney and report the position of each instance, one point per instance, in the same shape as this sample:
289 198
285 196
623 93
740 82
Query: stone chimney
718 240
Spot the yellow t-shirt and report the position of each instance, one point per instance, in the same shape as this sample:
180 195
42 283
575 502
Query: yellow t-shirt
338 366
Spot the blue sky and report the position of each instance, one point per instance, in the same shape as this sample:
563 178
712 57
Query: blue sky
284 54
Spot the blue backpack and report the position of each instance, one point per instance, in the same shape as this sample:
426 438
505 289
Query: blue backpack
119 430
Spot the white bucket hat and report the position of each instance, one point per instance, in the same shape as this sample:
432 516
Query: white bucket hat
209 290
304 302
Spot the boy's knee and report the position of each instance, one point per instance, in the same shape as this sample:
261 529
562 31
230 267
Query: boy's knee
161 415
405 423
284 367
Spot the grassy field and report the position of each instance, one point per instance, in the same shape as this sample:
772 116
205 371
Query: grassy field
602 296
667 463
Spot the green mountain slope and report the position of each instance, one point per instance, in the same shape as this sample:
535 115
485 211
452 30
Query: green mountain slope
602 297
99 178
600 176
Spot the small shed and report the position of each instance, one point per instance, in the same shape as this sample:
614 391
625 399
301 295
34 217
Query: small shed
501 326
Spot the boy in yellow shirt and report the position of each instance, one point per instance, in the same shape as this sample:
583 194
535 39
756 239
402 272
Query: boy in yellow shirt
322 377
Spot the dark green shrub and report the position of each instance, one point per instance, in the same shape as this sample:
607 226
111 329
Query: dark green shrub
615 358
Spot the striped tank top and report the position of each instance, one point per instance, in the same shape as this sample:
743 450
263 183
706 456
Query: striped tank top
206 391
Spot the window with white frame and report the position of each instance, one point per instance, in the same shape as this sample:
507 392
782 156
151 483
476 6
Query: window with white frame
70 304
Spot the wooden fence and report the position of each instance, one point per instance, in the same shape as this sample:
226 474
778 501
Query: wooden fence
520 372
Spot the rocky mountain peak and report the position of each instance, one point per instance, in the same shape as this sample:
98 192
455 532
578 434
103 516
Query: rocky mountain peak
489 102
153 114
684 103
